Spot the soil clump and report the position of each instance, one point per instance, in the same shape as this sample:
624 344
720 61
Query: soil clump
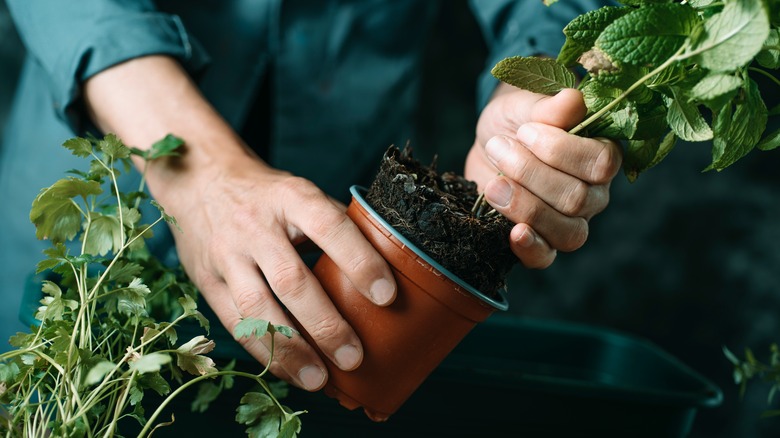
433 211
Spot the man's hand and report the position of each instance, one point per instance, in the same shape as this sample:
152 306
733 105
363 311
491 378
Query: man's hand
241 219
550 183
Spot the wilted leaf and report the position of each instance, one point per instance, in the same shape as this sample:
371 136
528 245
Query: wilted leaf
582 31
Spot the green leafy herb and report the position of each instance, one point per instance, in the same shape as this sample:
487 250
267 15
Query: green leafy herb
657 71
108 316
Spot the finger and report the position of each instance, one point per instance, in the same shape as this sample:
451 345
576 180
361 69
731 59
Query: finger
532 250
218 299
252 298
300 292
520 205
563 110
331 229
567 194
595 161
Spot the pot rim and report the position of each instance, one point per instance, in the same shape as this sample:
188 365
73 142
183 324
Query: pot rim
502 304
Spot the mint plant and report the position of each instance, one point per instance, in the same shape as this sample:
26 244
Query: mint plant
657 71
107 332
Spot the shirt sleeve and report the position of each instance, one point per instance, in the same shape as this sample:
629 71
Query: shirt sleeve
522 28
72 41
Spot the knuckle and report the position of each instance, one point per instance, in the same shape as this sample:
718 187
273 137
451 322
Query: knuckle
248 302
326 329
553 150
521 169
577 236
327 223
296 186
290 279
575 199
532 213
284 350
605 165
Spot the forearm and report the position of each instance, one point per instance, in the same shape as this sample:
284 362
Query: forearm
144 99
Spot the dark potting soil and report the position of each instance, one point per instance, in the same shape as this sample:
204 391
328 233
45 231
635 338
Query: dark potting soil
433 211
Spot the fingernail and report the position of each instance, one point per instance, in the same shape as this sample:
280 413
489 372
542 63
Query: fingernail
499 193
527 135
497 148
347 357
311 377
382 291
526 239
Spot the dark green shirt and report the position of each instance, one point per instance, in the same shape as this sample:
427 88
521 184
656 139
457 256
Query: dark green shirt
342 76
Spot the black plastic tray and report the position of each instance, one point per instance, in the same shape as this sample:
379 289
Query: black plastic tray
536 378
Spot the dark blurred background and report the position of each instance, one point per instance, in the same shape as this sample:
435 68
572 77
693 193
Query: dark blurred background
686 259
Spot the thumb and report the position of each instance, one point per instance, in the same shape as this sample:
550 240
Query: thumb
564 110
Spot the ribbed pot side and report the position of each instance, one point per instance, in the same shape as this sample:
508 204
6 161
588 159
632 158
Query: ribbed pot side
404 342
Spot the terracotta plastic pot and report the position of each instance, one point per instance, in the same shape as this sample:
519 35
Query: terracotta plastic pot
404 342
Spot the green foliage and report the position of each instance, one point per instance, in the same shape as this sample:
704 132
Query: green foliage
540 75
662 70
751 369
108 316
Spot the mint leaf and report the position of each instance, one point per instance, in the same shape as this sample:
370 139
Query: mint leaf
626 120
685 119
715 86
769 56
648 36
80 147
772 141
667 144
738 131
581 32
638 155
538 75
732 37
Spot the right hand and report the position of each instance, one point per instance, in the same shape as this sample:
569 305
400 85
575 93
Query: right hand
241 220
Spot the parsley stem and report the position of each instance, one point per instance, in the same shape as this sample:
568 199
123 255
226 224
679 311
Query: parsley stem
192 382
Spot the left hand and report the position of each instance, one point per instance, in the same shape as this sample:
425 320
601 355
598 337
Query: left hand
553 182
